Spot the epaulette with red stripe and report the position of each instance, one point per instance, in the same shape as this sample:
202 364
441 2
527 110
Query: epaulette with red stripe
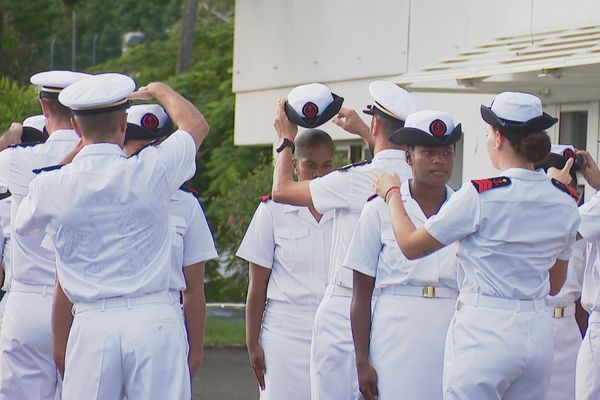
371 197
265 198
190 190
565 188
481 185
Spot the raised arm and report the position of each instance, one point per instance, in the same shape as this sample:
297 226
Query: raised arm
183 113
285 189
414 243
348 120
11 136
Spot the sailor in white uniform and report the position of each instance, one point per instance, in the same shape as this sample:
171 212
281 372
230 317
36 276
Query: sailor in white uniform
400 350
193 243
563 306
345 191
27 368
587 377
34 131
515 234
288 248
107 217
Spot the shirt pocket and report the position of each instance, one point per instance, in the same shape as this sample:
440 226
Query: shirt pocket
292 243
391 252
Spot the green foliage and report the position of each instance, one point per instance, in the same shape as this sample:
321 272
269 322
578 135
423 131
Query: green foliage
232 210
32 25
16 103
225 332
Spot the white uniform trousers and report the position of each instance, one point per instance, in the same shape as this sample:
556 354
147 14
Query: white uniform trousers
587 377
498 349
285 337
408 337
333 373
27 367
567 340
3 307
134 347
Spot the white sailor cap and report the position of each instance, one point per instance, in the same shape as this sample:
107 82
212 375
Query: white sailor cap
517 112
391 101
98 94
428 128
34 129
35 121
312 105
147 121
52 82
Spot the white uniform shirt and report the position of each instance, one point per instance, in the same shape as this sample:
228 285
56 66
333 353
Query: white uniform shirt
288 240
374 250
5 240
509 237
192 240
571 290
346 192
589 229
108 217
31 263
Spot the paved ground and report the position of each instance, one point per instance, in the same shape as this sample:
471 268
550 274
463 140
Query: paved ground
225 375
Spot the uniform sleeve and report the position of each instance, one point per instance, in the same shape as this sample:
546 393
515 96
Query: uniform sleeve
258 245
5 160
177 154
341 189
30 218
567 252
364 249
458 218
198 243
589 227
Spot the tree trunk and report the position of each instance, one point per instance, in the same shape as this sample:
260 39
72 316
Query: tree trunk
186 40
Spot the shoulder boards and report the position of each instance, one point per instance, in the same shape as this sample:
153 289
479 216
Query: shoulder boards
481 185
152 143
26 144
371 197
567 189
5 195
190 190
265 198
356 164
46 169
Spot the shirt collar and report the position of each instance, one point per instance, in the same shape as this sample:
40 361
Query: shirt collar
63 134
390 154
305 213
525 174
100 149
411 205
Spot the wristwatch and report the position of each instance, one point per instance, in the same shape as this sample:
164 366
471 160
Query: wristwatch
283 143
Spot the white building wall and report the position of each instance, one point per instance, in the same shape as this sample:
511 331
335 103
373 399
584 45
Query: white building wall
348 43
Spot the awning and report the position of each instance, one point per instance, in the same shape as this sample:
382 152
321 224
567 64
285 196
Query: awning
565 59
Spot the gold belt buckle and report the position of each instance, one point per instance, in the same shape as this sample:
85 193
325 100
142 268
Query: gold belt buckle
559 312
429 291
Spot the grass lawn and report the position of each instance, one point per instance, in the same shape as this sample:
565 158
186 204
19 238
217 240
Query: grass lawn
225 332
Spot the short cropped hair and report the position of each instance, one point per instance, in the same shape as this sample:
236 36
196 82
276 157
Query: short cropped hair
99 126
57 110
310 138
388 126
